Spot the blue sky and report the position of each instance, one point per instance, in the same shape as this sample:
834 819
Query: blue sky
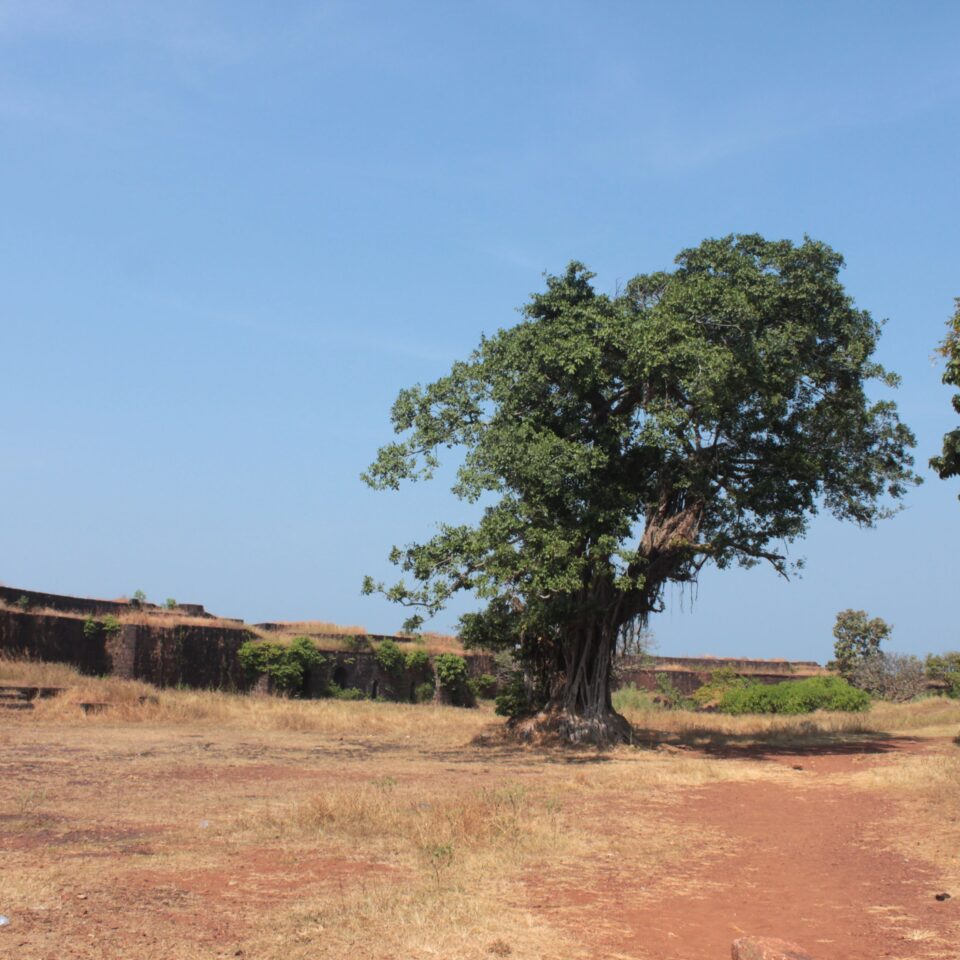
231 232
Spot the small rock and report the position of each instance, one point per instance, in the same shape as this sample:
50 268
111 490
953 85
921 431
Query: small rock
796 766
4 920
81 896
767 948
941 896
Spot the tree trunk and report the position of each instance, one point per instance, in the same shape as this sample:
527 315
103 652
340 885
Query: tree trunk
579 709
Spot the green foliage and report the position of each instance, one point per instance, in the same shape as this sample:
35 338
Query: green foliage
630 697
945 667
515 699
357 644
721 680
701 415
795 696
344 693
857 638
170 603
423 692
451 671
418 662
948 463
23 602
108 626
668 692
286 666
390 658
484 686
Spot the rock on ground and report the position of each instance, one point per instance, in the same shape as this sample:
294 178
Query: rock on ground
767 948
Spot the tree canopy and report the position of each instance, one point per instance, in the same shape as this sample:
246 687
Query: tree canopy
948 463
620 442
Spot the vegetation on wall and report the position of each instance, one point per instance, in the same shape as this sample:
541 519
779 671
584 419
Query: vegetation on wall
285 665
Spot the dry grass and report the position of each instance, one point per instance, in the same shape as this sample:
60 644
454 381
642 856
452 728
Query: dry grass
933 716
140 617
315 628
294 829
203 824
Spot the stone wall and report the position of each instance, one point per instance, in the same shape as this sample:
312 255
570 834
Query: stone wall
14 596
191 655
54 638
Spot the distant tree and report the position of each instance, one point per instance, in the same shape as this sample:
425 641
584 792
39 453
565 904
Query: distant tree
891 676
857 639
620 443
948 463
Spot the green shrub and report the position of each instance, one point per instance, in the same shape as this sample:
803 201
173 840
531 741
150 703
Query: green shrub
945 667
344 693
111 624
91 628
23 602
357 644
721 680
390 658
484 686
418 661
795 696
423 692
452 678
286 666
170 603
668 692
631 697
514 699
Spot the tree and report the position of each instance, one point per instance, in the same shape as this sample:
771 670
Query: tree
619 443
948 463
857 639
891 676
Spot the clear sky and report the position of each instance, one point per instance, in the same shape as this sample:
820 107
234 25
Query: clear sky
231 232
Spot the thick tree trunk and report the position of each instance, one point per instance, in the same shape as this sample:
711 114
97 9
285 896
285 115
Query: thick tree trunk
579 709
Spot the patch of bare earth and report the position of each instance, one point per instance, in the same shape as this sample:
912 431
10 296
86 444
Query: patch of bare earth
205 826
813 858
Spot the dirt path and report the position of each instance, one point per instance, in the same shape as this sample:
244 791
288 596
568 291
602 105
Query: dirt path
805 863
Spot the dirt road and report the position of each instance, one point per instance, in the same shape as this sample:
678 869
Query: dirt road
809 858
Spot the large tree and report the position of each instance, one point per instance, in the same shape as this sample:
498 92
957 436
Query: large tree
948 463
618 443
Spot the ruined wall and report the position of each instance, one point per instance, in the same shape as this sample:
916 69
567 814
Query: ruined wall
361 671
87 605
191 655
53 638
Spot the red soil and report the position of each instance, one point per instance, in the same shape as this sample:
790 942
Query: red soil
811 862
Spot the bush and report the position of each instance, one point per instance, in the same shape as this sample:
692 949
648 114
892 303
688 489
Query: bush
891 676
423 692
632 698
108 626
795 696
390 658
418 661
484 686
452 678
286 666
344 693
667 691
721 680
357 644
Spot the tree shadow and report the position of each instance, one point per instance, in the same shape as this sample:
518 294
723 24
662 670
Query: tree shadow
769 746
